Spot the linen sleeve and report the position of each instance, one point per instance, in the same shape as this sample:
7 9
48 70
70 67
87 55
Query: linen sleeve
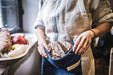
39 22
101 12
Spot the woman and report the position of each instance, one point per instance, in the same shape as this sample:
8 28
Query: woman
64 19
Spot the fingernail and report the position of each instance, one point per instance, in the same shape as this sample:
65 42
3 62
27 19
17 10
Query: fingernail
75 52
46 56
48 50
78 53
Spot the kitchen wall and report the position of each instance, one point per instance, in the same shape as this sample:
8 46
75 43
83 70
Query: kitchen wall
30 13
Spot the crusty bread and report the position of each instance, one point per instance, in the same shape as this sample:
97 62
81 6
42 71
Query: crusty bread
5 40
59 49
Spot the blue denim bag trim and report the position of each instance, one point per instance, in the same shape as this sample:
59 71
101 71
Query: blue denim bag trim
69 64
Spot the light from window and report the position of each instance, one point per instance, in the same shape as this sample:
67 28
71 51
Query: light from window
1 24
9 14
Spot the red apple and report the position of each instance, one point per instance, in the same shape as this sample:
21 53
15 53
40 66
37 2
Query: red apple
19 40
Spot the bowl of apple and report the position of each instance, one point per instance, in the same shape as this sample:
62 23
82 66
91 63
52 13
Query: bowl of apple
19 46
13 47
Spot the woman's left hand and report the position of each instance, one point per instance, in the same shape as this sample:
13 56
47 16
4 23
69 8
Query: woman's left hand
83 42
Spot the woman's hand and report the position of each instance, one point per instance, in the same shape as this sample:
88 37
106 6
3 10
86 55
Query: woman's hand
40 34
41 45
83 42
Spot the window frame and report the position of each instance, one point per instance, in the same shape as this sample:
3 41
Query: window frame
19 18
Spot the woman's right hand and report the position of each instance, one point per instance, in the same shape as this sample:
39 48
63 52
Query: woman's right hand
42 42
41 45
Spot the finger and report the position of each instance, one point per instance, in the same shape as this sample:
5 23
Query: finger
80 45
89 43
43 52
87 46
39 50
46 46
76 43
84 47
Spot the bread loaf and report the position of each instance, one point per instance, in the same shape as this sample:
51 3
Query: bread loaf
5 40
59 49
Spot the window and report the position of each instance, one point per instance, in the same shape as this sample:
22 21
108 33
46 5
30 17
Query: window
9 15
1 24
